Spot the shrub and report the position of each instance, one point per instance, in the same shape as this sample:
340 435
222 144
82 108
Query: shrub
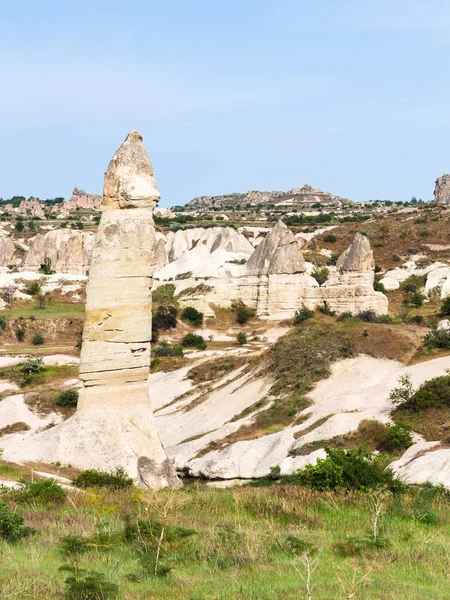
2 324
194 316
11 525
320 274
34 288
378 269
325 310
355 469
334 258
39 492
165 318
38 339
386 319
117 480
32 365
434 393
302 314
437 338
68 398
398 437
330 238
410 288
345 316
241 338
88 585
379 287
165 349
402 394
368 316
445 308
20 334
417 299
193 341
396 258
243 312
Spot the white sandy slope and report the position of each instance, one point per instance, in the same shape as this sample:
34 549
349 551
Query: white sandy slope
191 418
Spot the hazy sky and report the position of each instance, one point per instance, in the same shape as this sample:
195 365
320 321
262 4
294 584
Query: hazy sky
230 95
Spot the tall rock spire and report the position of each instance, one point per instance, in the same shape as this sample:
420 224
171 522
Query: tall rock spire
114 426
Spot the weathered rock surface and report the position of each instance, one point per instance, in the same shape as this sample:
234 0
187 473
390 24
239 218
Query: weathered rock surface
69 251
442 189
31 208
273 278
303 195
114 426
7 251
80 199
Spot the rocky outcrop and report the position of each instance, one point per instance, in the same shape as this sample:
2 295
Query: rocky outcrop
303 195
273 278
7 251
114 426
164 213
350 287
82 200
68 250
442 189
31 208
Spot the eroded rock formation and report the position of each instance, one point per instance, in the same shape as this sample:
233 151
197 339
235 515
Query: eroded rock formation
31 208
114 426
68 250
442 189
81 199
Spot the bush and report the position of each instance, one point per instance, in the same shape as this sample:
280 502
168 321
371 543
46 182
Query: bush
445 308
320 274
325 310
165 349
165 318
330 238
434 393
241 338
379 287
345 316
32 365
398 437
39 492
396 258
11 525
68 398
194 316
2 324
243 312
302 314
193 341
38 339
355 469
88 585
164 293
417 299
368 316
334 258
402 394
117 480
437 338
34 288
20 334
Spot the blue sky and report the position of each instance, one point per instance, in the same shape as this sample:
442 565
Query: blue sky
349 96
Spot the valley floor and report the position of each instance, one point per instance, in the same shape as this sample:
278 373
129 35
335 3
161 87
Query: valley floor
247 544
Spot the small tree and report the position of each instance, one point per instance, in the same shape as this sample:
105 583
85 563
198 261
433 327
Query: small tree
68 398
194 316
404 392
320 274
8 292
302 314
241 338
32 365
38 339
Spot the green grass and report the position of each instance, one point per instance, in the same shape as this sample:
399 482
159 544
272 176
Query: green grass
53 311
243 545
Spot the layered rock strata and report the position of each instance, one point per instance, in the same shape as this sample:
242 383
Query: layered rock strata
114 425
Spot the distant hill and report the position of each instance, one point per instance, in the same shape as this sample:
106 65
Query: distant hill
295 196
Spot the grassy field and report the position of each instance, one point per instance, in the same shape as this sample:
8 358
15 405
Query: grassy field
52 311
246 544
